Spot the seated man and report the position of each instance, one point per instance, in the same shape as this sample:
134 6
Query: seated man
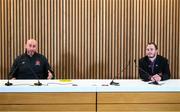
154 67
31 65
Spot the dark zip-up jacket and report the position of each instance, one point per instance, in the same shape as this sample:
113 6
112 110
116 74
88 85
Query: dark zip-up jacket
160 66
26 67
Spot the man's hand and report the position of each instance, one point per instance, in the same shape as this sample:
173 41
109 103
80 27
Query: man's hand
50 76
156 77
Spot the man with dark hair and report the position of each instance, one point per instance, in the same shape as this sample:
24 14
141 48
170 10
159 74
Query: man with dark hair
155 65
31 65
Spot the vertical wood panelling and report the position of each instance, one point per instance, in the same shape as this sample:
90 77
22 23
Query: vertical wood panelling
90 39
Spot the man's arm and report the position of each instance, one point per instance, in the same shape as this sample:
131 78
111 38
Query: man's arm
165 70
142 69
13 71
50 74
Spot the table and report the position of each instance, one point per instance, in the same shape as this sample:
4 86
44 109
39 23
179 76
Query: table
90 96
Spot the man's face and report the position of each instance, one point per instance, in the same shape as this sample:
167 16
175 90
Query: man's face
31 47
151 51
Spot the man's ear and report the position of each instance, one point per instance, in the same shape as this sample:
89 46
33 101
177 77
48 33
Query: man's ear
157 51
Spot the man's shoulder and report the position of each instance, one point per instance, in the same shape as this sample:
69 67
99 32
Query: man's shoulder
162 58
40 55
145 58
20 56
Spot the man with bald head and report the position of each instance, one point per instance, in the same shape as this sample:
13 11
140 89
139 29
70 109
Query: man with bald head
31 64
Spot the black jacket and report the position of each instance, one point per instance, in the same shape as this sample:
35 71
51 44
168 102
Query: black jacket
26 67
161 67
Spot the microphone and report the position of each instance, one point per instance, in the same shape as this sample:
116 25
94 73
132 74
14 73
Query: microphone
38 83
116 83
13 71
153 82
9 83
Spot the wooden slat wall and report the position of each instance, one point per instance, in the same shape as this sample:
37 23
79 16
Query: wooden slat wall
90 39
